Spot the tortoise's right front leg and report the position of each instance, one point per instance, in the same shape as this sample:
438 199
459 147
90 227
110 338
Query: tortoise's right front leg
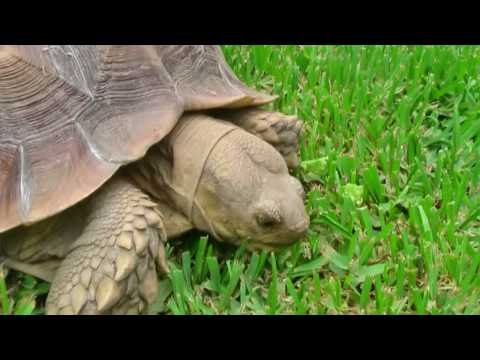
279 130
112 267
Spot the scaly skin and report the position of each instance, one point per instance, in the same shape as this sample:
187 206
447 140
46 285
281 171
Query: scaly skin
111 268
231 184
279 130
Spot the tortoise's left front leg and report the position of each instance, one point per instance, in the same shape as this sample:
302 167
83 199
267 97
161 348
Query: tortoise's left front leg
112 267
278 129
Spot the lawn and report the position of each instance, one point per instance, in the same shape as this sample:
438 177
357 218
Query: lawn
389 162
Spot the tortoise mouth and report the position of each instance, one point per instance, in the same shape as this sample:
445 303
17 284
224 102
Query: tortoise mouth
271 242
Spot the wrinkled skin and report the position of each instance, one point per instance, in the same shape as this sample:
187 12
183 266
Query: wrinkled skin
103 255
248 194
244 194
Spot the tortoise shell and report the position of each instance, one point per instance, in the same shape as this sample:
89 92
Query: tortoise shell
71 116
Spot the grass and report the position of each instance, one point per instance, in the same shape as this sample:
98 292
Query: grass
390 163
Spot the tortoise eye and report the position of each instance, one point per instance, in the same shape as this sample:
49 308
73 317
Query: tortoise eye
268 214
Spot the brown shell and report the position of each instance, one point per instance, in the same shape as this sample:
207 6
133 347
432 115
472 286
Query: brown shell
70 116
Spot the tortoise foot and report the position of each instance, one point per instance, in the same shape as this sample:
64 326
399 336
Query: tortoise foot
278 129
112 267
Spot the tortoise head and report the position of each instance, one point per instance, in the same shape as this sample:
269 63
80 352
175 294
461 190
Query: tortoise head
245 192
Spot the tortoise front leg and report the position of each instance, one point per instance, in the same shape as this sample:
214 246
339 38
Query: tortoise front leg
112 267
279 130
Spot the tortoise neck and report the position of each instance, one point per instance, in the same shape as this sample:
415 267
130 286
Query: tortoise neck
172 169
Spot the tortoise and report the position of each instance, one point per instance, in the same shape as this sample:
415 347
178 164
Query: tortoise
107 152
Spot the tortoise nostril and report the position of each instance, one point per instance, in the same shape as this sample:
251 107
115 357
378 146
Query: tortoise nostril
298 187
301 227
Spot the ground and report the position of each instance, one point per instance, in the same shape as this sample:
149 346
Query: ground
389 161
